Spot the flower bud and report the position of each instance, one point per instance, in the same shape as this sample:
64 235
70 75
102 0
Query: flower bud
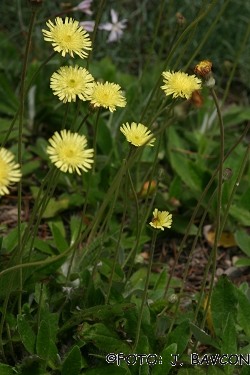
161 174
227 174
197 99
203 69
209 83
227 67
35 5
91 109
180 20
144 189
173 298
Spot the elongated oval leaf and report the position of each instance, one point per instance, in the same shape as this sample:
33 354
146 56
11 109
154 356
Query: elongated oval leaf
43 340
72 363
27 335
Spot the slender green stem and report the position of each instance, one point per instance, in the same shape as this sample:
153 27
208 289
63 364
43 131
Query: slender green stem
12 353
190 38
243 164
37 206
111 210
25 95
152 249
20 136
235 63
95 29
207 35
44 203
229 81
95 140
149 56
119 240
187 266
82 122
65 115
213 252
39 307
79 102
91 172
182 36
145 211
220 166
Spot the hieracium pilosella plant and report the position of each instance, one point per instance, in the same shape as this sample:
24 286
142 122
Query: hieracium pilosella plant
124 188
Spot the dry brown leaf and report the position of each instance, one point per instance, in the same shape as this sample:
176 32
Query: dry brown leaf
226 239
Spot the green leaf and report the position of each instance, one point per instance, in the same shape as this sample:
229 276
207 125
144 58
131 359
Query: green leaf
106 268
52 319
27 335
30 167
240 214
244 200
6 370
53 353
60 242
72 363
162 280
199 177
107 370
43 340
244 371
49 269
223 303
236 115
7 93
103 336
166 357
243 262
97 314
180 166
228 345
74 228
11 240
192 371
175 188
57 220
104 139
40 148
243 312
180 225
55 207
43 246
202 336
180 336
214 370
243 241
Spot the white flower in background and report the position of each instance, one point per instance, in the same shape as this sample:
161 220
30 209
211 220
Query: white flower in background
115 27
84 6
88 25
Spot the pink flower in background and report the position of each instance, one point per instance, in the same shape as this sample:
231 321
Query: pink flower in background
84 6
88 25
115 27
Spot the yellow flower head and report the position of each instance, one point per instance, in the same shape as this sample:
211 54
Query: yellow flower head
107 95
67 152
161 219
68 37
180 84
9 171
69 82
137 134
